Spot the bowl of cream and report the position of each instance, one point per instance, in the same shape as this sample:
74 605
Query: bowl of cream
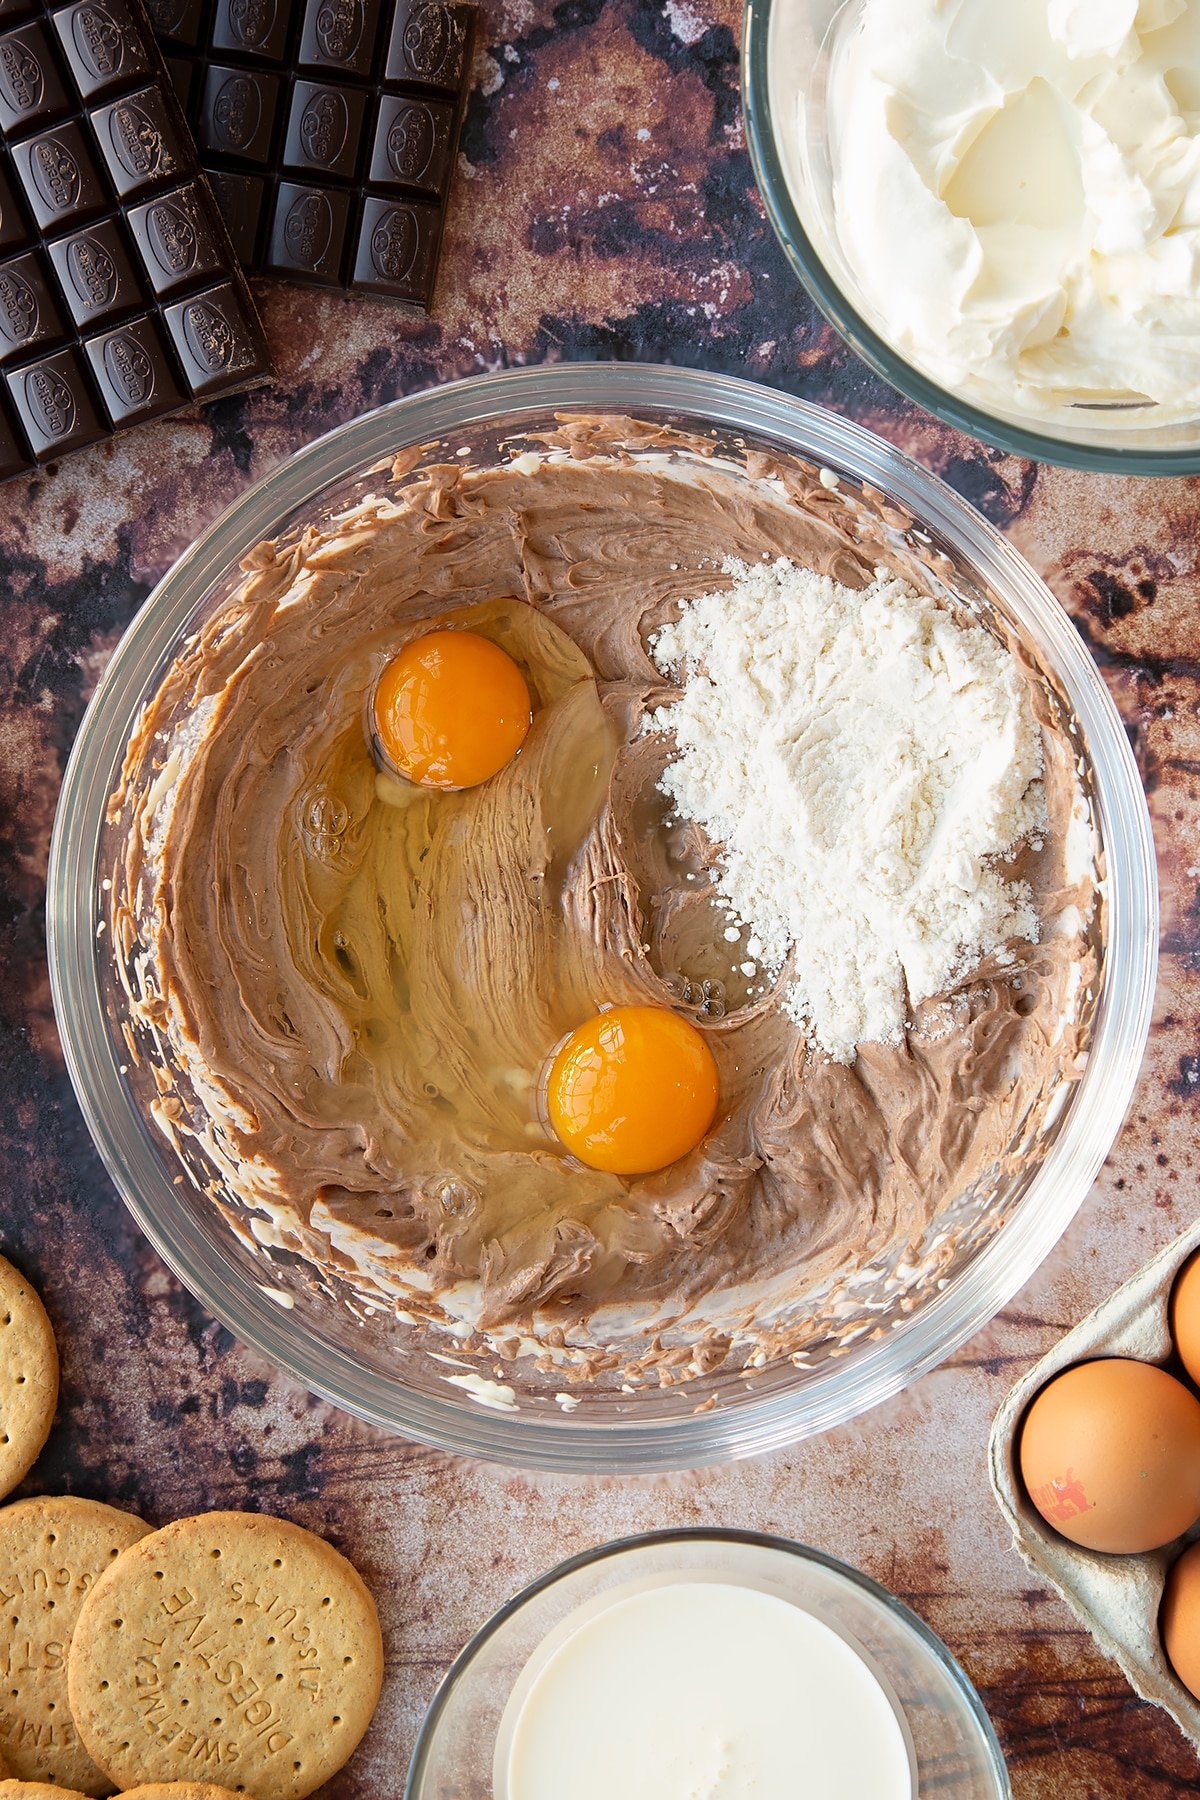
706 1662
998 207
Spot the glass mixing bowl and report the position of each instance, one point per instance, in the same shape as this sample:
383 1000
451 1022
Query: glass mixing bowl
952 1744
786 89
379 1367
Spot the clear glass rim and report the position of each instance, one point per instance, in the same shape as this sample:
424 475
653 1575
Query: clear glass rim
808 264
870 1373
714 1534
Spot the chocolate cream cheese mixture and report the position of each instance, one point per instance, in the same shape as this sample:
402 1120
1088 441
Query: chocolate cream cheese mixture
349 987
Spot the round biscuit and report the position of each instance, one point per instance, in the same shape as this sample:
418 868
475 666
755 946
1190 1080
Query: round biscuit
180 1790
232 1646
51 1551
37 1790
28 1377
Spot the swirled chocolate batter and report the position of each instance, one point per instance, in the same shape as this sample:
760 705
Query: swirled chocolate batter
352 985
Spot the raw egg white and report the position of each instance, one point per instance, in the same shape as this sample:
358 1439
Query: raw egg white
1110 1455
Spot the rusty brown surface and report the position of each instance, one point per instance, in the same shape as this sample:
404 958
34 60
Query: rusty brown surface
606 208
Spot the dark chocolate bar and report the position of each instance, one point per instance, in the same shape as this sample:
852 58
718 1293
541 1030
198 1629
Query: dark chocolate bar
121 298
328 129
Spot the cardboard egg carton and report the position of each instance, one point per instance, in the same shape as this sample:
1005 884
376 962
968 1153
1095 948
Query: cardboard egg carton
1117 1597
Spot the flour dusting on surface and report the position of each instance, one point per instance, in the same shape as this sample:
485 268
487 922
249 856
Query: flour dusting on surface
866 760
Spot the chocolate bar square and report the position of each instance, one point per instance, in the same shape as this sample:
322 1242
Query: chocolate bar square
397 249
309 233
134 371
103 47
178 240
59 177
29 314
31 88
252 27
141 141
238 116
215 335
413 144
428 45
324 129
96 274
54 403
183 20
340 35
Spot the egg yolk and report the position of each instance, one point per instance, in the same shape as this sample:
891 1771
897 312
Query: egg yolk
632 1090
451 709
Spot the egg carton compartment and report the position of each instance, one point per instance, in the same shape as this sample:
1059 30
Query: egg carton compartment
1117 1597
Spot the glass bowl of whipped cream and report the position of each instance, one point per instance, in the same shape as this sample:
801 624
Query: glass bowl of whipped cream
999 208
689 1661
308 1007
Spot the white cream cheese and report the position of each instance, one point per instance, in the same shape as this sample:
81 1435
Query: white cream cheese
1017 191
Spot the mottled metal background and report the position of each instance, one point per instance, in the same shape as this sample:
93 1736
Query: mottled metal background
606 208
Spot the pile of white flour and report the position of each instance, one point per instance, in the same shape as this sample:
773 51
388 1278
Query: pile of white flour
863 758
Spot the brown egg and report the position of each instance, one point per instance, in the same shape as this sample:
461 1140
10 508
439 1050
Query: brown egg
1110 1455
1185 1316
1179 1620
